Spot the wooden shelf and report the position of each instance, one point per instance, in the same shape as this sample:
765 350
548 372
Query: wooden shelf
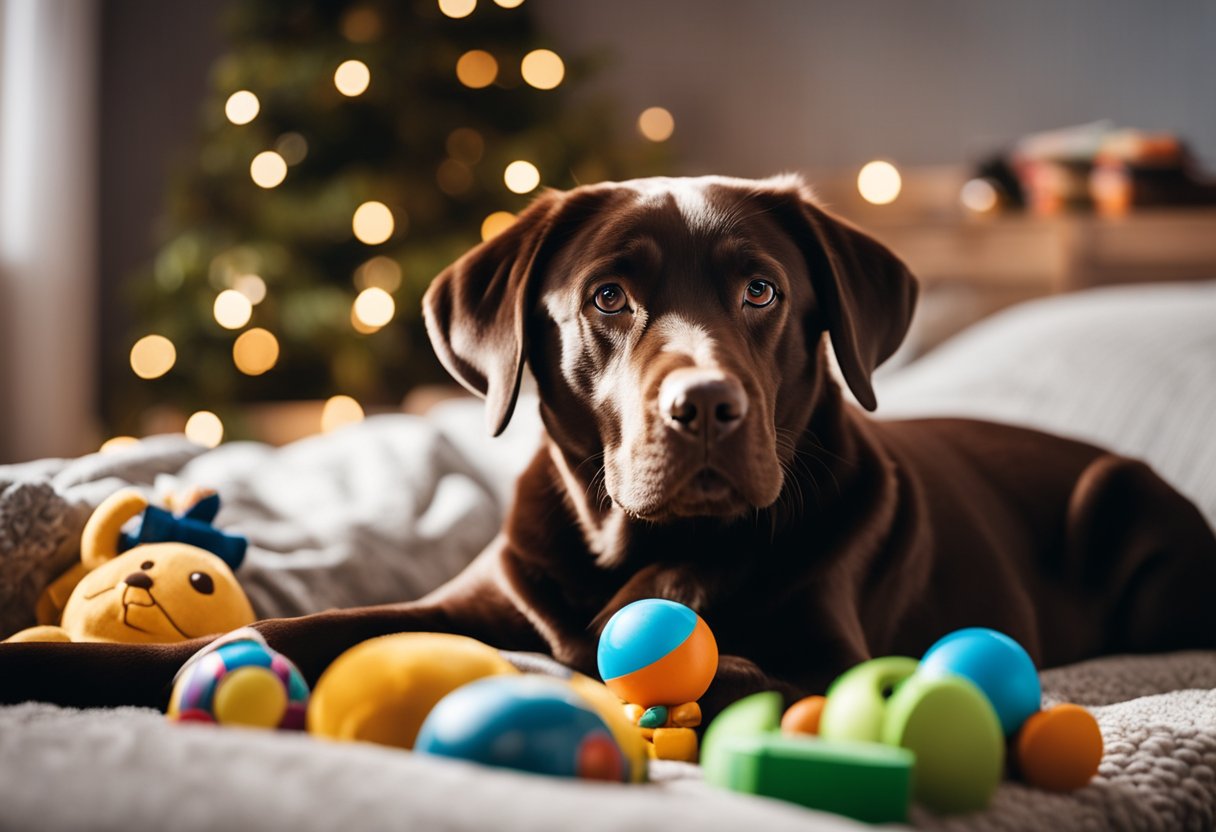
945 244
970 266
1053 254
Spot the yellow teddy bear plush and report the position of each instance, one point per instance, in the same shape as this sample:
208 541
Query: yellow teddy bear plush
154 593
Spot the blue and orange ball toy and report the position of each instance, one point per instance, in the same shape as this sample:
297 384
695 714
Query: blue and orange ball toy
528 723
240 680
657 652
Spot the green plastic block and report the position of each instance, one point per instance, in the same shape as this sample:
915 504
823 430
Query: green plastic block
743 751
752 715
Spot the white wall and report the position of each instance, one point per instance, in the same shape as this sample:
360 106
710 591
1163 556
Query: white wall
47 219
759 87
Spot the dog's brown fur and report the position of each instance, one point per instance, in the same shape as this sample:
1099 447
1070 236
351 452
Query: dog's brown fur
808 536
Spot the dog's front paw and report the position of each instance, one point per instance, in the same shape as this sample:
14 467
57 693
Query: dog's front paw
736 678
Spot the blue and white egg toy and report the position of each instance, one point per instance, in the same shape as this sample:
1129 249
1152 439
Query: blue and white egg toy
529 723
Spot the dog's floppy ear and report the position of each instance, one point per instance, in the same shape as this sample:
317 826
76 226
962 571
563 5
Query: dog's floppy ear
865 293
477 308
475 311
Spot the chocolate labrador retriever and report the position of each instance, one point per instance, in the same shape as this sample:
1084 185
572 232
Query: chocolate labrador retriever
698 449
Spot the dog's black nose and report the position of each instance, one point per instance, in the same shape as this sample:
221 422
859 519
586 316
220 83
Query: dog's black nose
139 579
702 403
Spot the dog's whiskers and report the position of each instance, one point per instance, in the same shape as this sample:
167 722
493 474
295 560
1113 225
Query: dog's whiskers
791 500
602 501
595 492
813 439
791 443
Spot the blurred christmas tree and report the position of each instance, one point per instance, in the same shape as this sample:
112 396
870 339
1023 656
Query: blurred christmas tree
349 151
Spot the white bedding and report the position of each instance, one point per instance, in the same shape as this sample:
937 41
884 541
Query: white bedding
380 511
389 508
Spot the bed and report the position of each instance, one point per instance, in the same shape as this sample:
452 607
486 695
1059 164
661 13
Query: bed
389 508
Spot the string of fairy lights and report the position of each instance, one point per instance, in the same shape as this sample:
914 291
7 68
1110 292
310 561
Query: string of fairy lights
256 350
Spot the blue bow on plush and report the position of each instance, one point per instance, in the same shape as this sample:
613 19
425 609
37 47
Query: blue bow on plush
193 527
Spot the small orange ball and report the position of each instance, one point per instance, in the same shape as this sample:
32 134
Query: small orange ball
1059 749
803 716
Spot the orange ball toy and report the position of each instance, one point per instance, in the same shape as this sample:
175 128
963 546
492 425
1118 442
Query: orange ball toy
1059 749
803 716
657 652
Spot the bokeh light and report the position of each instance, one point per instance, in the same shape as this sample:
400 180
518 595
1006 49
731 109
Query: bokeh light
380 272
542 69
978 195
454 178
352 78
292 147
268 169
358 325
255 351
242 107
251 286
465 144
510 4
496 223
521 177
205 428
457 8
879 182
374 307
152 356
372 223
117 444
477 69
361 24
656 124
232 309
339 411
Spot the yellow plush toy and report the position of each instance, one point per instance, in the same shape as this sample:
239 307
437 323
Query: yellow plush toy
154 593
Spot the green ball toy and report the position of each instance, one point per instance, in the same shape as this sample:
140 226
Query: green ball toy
947 722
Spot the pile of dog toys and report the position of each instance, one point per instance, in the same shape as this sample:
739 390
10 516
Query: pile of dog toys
456 697
890 731
430 692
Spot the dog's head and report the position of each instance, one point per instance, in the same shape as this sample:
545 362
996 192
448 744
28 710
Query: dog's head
674 327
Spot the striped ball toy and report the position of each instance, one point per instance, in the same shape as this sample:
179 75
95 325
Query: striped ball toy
240 680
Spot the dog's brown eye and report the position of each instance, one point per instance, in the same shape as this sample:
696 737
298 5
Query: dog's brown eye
202 582
610 299
759 293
